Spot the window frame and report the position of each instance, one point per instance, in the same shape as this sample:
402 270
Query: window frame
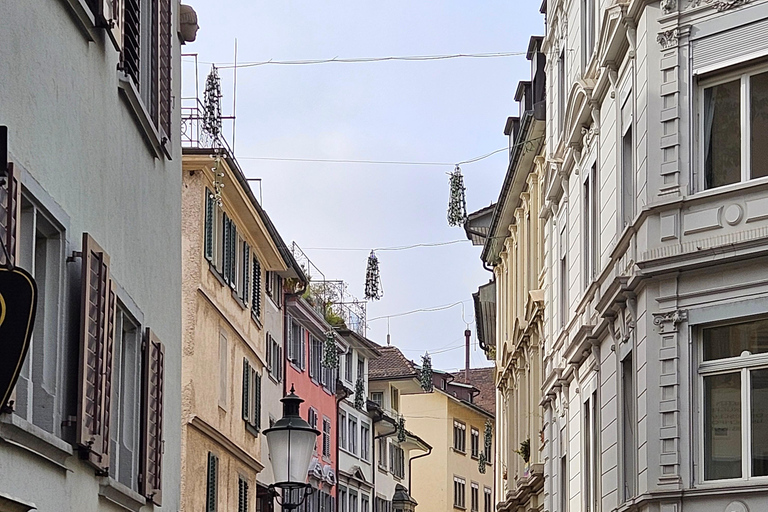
474 437
743 365
459 492
743 73
459 439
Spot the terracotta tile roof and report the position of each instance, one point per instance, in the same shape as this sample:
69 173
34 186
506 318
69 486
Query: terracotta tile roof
391 364
483 379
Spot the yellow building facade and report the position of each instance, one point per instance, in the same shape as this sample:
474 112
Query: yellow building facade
227 253
448 419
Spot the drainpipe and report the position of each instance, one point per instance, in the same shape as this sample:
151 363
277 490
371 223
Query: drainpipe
374 464
467 335
410 470
340 395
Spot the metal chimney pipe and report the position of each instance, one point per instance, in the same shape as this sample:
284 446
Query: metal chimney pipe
467 335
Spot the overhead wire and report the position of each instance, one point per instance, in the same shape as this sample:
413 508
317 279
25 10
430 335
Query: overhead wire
420 310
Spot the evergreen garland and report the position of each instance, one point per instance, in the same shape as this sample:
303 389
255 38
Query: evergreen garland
373 289
330 356
457 204
426 373
401 430
481 462
359 394
218 184
487 443
212 104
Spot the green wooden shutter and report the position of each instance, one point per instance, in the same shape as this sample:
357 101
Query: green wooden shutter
211 487
232 252
242 495
246 389
225 251
210 204
256 304
257 405
246 274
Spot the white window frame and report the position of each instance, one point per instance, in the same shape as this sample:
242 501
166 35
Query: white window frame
721 78
459 483
744 364
591 447
590 220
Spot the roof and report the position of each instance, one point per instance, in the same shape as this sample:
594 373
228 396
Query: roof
391 364
359 341
483 380
477 224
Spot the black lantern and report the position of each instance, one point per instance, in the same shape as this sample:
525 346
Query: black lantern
291 444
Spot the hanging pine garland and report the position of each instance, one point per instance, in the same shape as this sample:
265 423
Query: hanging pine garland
373 289
487 442
212 104
330 356
481 462
218 184
426 373
401 430
359 394
457 204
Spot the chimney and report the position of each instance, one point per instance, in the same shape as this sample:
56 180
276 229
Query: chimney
467 335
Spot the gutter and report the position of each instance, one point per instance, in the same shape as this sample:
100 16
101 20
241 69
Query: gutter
410 470
339 397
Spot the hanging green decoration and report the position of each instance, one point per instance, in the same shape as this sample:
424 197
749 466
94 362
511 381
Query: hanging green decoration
212 104
373 290
330 355
359 394
457 204
481 462
487 443
401 430
426 373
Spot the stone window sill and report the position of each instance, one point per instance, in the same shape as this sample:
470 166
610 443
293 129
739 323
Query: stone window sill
159 145
83 17
19 432
121 495
10 504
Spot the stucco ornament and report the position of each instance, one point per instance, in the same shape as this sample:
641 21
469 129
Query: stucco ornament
667 6
188 26
720 5
668 321
668 39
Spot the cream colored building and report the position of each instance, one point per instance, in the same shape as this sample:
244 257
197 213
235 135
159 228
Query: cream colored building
229 246
510 308
452 420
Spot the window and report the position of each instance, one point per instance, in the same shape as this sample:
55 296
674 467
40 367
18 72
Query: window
734 376
395 399
564 478
326 437
627 162
296 346
342 492
229 251
459 485
590 228
242 495
256 299
274 288
628 425
734 122
348 366
315 359
365 441
563 270
251 397
352 433
125 429
377 397
365 503
561 91
475 442
223 370
382 455
383 505
352 501
211 486
475 499
361 368
142 33
459 436
312 417
342 425
274 358
41 252
396 461
487 500
591 451
588 16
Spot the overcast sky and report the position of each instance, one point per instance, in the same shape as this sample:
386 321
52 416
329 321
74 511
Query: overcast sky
439 111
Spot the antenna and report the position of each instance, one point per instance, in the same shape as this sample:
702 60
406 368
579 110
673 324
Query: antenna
234 100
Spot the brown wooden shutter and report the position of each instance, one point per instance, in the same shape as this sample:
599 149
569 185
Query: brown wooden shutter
152 418
131 39
164 63
97 320
246 390
9 206
108 14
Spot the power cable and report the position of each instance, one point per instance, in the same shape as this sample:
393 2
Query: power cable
421 310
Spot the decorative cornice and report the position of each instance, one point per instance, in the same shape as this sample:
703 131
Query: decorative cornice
719 5
668 320
667 6
668 39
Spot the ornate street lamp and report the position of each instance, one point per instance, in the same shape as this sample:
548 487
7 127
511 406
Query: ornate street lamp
291 443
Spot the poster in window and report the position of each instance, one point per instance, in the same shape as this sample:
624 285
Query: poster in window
726 420
18 305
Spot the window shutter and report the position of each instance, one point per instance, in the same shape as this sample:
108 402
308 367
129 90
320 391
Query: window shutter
256 303
257 404
246 389
232 253
8 215
226 247
95 367
246 273
210 204
242 495
109 14
152 417
131 38
164 64
211 489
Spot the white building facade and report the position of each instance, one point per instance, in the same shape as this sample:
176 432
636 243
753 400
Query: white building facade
656 236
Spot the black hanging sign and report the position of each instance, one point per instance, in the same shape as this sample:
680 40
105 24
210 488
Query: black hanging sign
18 305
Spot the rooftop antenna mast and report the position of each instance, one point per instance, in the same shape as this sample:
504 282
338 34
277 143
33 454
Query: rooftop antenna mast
234 100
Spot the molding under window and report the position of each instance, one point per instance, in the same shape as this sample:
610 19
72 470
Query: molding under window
19 432
226 444
121 495
160 146
11 504
83 17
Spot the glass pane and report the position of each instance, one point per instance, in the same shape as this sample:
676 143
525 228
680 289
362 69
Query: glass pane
731 340
759 404
722 426
722 134
759 124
